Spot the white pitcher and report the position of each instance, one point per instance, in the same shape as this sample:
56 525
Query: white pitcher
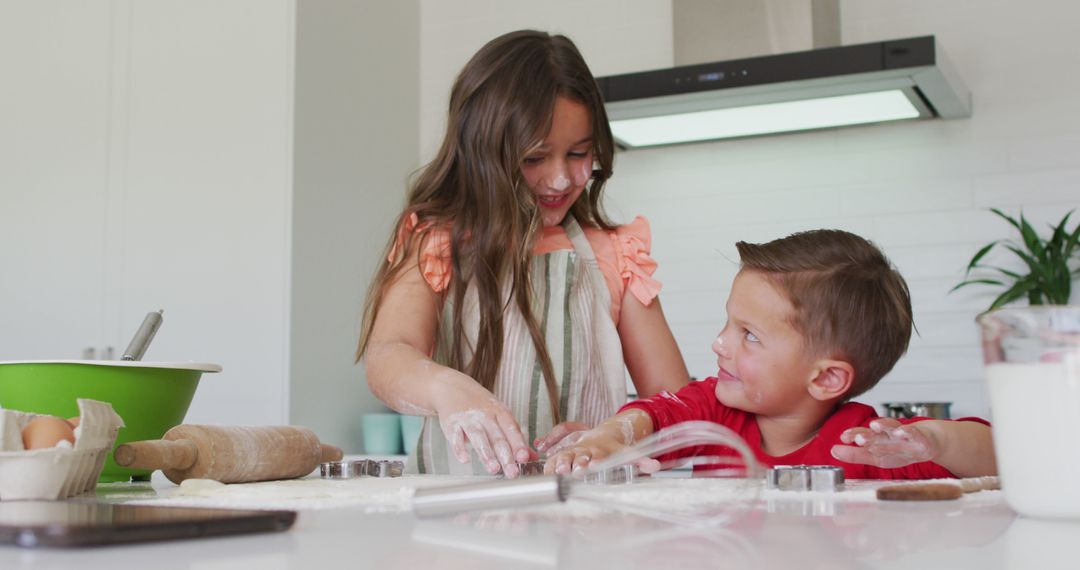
1032 357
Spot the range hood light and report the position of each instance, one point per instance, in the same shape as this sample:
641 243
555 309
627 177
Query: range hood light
788 116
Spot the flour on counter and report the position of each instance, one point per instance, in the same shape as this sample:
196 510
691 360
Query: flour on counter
373 494
677 497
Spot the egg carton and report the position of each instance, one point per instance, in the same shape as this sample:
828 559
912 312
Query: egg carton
56 472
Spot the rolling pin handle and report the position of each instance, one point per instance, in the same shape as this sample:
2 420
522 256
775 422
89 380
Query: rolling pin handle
330 453
157 454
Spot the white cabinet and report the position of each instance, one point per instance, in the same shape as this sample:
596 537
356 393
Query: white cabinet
54 151
206 194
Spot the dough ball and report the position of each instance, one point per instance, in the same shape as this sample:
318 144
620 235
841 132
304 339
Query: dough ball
198 487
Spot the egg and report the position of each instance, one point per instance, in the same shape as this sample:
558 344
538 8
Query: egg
46 431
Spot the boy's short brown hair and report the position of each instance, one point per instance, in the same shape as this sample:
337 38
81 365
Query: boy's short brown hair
850 302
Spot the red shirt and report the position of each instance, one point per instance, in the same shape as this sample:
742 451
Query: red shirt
697 401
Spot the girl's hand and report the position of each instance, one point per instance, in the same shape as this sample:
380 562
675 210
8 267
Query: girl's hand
560 437
886 444
470 414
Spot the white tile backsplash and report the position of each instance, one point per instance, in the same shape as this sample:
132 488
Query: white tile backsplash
947 193
1015 190
947 363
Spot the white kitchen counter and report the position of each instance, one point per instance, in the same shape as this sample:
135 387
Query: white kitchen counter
778 530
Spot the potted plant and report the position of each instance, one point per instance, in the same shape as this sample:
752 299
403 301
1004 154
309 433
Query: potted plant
1048 279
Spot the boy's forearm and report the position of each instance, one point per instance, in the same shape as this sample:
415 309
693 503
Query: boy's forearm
965 448
627 427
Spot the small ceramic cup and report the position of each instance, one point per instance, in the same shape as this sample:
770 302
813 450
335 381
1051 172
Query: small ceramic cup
410 431
382 434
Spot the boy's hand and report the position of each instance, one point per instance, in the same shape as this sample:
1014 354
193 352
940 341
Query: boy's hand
560 437
886 444
592 445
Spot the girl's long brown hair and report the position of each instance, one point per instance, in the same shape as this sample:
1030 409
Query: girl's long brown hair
501 106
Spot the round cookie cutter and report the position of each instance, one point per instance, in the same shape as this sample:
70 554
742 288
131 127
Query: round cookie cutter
805 478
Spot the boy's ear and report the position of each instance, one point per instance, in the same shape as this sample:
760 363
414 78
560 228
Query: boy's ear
834 378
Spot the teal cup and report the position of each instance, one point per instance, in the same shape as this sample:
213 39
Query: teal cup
410 431
381 433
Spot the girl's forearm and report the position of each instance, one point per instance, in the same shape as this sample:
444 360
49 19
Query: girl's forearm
966 448
407 380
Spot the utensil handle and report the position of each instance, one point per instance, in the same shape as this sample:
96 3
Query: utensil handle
137 348
157 454
329 452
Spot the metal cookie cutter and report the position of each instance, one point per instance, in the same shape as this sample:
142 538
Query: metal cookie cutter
342 469
360 468
385 468
531 468
805 478
622 475
615 475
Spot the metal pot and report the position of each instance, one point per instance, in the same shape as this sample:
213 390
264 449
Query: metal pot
903 410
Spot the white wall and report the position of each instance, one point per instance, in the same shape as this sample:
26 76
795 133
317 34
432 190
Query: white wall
357 89
919 190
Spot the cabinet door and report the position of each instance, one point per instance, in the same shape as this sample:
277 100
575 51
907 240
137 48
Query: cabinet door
54 177
207 191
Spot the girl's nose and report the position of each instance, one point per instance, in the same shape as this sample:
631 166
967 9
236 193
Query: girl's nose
565 174
558 180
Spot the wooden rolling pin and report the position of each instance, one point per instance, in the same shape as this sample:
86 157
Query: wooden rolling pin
229 454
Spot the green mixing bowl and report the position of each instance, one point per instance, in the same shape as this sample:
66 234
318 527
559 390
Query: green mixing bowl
150 397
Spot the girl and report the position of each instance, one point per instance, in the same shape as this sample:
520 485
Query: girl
508 301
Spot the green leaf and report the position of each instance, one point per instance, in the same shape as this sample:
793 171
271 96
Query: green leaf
1060 232
1009 219
977 281
1031 239
1013 274
1059 286
1063 295
975 260
1070 244
1038 270
1018 290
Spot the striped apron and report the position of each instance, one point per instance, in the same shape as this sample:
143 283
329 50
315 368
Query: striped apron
573 305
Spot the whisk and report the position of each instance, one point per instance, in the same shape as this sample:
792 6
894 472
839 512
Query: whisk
540 490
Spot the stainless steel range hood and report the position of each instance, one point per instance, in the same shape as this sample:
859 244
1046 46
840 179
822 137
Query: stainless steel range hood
875 82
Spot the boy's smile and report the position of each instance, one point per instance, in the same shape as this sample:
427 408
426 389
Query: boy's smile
763 368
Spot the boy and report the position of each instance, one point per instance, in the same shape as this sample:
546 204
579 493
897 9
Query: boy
814 319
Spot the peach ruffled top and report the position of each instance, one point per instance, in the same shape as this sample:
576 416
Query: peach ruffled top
622 255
